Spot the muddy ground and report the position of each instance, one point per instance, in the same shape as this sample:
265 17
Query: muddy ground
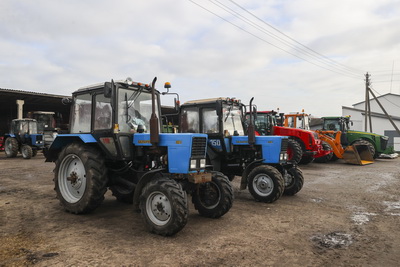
345 215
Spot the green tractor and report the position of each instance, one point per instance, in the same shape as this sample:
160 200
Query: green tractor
376 143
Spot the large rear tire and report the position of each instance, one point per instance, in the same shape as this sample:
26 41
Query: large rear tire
11 147
80 178
213 199
265 183
294 181
26 151
294 151
164 207
326 158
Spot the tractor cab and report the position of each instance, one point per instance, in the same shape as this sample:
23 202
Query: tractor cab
22 127
297 120
336 124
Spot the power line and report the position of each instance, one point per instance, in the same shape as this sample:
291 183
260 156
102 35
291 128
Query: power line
331 61
280 39
383 96
342 72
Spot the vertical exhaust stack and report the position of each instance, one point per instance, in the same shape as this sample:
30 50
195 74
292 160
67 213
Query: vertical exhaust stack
250 129
154 123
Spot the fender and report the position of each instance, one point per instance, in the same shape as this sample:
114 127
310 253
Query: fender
64 139
142 182
243 182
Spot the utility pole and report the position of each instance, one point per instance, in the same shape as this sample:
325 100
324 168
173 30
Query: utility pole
368 107
366 101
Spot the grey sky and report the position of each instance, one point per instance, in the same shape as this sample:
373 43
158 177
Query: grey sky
59 46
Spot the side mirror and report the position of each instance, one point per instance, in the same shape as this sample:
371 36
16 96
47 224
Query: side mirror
109 89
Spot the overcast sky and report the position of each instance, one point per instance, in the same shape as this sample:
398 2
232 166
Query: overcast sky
291 55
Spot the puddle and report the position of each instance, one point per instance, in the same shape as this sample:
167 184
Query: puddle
392 208
317 200
332 240
361 218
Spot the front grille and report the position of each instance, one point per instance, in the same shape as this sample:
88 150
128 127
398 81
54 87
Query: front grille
199 147
384 142
284 144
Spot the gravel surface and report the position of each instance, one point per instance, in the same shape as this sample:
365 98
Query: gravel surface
345 215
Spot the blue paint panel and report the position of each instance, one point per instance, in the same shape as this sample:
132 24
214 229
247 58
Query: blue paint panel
179 148
34 138
270 146
64 139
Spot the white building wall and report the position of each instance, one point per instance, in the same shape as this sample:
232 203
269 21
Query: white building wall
390 102
379 124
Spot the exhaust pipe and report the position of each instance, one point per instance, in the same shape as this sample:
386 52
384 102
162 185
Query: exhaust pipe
250 129
154 123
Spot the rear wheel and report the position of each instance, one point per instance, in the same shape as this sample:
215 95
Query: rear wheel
80 178
26 151
164 208
294 151
265 183
294 181
213 199
367 143
11 147
326 158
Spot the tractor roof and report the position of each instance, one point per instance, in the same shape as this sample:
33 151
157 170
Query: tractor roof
101 85
210 100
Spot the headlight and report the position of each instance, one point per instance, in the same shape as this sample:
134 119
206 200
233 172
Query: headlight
193 164
202 163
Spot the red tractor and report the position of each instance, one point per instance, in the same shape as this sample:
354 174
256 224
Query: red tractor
304 146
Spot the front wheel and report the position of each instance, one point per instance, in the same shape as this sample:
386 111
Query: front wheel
80 178
294 181
213 199
164 208
265 183
11 147
26 151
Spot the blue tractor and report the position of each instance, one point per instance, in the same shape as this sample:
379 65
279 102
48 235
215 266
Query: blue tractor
24 138
261 161
114 142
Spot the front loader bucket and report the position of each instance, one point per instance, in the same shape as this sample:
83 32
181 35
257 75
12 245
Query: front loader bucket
358 155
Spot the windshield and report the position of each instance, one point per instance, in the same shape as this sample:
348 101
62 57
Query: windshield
232 120
134 110
332 125
263 122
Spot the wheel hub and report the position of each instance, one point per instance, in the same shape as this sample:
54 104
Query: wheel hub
161 207
75 180
263 184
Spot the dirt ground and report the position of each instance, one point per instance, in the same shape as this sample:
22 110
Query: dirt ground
345 215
